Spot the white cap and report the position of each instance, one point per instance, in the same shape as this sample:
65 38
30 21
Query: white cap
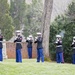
74 37
30 36
38 33
18 31
18 34
58 36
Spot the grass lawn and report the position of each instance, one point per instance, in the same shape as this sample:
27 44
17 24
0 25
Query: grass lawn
30 67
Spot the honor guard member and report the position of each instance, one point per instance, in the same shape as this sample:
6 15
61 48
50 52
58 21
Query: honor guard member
18 48
73 46
59 50
29 45
39 41
1 46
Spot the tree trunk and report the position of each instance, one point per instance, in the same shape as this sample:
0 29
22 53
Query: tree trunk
48 6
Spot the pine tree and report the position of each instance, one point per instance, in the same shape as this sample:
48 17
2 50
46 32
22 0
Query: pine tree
64 23
5 20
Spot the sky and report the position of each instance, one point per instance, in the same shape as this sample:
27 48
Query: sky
59 7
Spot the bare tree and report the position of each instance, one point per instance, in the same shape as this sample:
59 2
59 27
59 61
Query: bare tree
48 6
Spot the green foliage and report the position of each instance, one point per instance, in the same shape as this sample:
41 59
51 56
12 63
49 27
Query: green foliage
5 20
17 11
4 7
33 14
64 23
7 28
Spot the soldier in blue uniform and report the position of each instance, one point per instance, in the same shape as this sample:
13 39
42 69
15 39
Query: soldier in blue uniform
29 46
59 50
1 46
40 54
18 48
73 46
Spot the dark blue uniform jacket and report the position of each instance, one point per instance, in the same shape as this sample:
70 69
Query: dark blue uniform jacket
73 45
59 46
18 43
1 39
29 43
39 42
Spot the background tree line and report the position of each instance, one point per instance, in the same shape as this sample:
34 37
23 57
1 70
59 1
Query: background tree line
27 15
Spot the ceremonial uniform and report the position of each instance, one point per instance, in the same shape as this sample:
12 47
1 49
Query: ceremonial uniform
40 54
29 46
1 46
73 55
18 48
59 52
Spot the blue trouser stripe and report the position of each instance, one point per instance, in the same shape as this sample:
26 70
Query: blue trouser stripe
18 55
59 57
1 56
30 52
73 58
40 55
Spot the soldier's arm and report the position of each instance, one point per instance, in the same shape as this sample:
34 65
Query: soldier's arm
15 40
60 42
1 39
35 41
26 40
72 44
